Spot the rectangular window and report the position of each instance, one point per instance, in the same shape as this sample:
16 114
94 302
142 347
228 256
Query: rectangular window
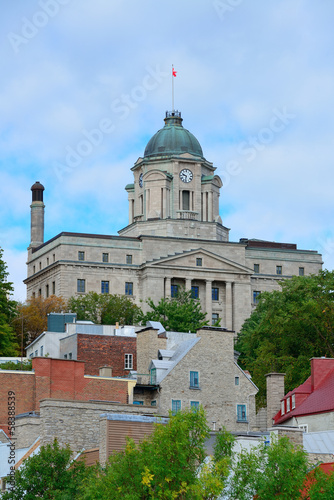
40 292
236 380
105 257
65 356
174 290
256 295
214 319
128 288
81 255
40 265
194 292
54 257
154 402
176 406
194 405
41 350
303 427
104 286
282 407
215 293
47 261
288 405
140 403
256 268
34 269
129 259
47 290
293 401
81 286
153 376
128 361
36 353
301 271
185 200
53 288
278 269
194 380
241 413
198 261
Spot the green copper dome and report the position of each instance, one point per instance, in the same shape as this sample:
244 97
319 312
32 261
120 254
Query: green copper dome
173 139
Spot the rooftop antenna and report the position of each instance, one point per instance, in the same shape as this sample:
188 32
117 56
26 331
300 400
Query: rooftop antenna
173 75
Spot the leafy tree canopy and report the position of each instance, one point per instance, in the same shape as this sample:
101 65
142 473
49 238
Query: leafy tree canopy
105 309
288 328
35 315
168 464
8 345
48 474
182 313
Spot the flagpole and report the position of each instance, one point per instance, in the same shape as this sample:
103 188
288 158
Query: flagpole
172 88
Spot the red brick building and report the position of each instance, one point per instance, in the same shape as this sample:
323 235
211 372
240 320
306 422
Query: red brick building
61 379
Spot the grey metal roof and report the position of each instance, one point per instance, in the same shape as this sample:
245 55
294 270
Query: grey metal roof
319 442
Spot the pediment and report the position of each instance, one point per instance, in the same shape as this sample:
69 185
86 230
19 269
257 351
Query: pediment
210 261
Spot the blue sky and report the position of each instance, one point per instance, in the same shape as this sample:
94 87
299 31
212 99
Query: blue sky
84 85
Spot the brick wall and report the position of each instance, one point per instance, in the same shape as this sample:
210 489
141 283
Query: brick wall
100 350
23 384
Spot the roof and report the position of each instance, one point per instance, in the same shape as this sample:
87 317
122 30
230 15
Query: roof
173 139
319 442
179 353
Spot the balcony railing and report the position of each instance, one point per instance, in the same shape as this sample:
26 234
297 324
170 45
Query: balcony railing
187 214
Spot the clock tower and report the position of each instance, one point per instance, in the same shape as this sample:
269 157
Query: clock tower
175 191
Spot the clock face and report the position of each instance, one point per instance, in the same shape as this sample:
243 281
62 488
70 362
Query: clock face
141 180
186 175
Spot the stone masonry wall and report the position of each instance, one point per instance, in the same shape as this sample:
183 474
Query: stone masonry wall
77 423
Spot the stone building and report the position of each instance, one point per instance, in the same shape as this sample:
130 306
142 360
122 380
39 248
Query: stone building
177 371
175 237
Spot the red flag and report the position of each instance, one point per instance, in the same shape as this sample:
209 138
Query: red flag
174 72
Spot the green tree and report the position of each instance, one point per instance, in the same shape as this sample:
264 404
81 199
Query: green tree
105 309
8 344
182 313
287 328
49 475
168 464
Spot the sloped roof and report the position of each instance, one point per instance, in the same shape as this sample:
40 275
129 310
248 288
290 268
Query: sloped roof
319 442
320 400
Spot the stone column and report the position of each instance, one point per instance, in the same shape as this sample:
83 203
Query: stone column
208 300
188 284
210 216
228 306
168 287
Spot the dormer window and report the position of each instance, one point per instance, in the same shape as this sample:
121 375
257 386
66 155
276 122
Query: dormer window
288 405
282 407
293 401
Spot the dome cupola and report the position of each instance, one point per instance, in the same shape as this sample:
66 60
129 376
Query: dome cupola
173 139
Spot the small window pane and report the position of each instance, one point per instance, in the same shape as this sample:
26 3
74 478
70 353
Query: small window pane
214 319
105 257
301 271
42 350
153 376
128 361
154 403
176 406
128 288
241 413
81 255
129 259
194 405
194 380
104 286
198 261
256 295
141 403
236 380
215 293
194 292
81 286
278 269
174 290
256 268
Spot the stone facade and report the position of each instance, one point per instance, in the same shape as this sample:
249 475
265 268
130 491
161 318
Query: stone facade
224 390
175 237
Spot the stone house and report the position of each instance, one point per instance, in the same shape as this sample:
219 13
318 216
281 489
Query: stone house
195 369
